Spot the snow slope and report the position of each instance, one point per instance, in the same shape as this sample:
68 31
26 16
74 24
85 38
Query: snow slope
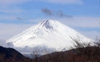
49 33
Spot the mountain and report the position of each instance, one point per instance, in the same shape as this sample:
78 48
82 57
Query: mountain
83 54
50 34
10 53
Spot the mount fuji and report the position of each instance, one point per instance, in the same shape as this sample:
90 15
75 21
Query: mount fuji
48 33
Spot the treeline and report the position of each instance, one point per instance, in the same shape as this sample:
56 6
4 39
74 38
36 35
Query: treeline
81 53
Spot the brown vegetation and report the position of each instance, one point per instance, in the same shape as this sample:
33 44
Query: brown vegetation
80 54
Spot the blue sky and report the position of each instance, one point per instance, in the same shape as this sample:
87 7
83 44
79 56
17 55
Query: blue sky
18 15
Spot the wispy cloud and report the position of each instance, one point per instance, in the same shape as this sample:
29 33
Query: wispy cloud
86 22
59 13
7 18
10 2
11 11
76 21
10 18
65 1
91 34
19 19
47 11
9 30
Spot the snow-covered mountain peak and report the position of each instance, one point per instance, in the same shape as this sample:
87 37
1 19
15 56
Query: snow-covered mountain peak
48 24
52 25
49 33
